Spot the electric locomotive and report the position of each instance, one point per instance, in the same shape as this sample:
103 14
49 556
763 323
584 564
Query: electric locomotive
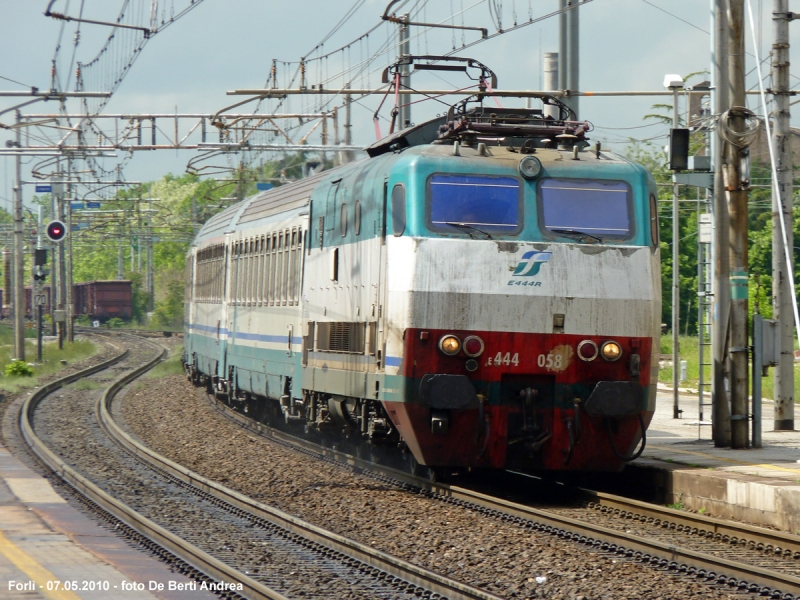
483 291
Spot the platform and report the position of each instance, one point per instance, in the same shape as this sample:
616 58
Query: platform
759 485
50 549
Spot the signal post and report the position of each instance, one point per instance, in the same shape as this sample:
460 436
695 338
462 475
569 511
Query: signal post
56 232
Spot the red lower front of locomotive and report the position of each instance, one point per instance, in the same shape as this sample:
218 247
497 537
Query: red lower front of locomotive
521 400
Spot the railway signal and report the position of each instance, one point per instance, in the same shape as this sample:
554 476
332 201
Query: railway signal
56 231
40 271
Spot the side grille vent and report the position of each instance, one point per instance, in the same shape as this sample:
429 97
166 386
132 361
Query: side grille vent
341 337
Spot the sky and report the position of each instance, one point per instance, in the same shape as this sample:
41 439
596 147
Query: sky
626 45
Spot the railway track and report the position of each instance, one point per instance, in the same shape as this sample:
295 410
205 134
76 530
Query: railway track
237 545
736 556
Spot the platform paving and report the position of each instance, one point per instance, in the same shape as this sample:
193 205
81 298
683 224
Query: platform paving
50 549
758 485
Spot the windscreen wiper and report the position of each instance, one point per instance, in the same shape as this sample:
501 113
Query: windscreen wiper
469 227
575 233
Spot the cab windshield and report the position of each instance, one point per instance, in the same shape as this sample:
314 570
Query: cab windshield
472 204
597 210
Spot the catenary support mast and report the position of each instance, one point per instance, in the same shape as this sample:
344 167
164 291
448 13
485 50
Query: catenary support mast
782 203
721 430
736 187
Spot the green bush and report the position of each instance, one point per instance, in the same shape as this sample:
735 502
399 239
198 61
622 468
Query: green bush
115 323
169 312
18 368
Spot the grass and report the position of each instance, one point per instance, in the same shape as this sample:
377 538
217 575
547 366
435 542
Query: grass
7 334
689 351
51 356
171 366
677 506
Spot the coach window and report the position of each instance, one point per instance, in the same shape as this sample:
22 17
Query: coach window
296 253
261 266
273 274
653 220
246 273
268 271
235 268
357 218
251 287
257 273
398 209
343 219
250 259
285 275
299 267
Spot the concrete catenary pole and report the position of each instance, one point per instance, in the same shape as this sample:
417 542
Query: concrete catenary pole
737 206
782 203
8 289
574 77
404 49
721 424
550 68
349 155
19 265
569 50
563 40
61 289
68 259
676 272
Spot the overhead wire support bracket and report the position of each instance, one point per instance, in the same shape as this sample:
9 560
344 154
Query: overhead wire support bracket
404 21
47 13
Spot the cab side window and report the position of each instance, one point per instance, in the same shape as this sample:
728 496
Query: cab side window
398 209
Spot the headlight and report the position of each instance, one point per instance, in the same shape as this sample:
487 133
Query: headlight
587 350
473 346
611 351
530 167
450 345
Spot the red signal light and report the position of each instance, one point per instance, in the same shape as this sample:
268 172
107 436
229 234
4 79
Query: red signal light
56 231
473 346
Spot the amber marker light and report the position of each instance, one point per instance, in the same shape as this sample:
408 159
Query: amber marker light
611 351
587 350
473 346
450 345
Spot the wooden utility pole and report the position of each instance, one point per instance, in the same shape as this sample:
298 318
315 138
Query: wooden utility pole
736 186
782 288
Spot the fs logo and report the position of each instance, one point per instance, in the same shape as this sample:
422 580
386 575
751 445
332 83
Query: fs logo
531 263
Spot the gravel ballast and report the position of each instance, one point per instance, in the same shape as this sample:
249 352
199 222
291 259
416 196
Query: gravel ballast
175 419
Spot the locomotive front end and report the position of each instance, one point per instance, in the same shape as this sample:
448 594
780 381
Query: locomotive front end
524 310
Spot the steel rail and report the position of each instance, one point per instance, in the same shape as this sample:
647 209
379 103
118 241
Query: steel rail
396 567
777 540
185 551
573 528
